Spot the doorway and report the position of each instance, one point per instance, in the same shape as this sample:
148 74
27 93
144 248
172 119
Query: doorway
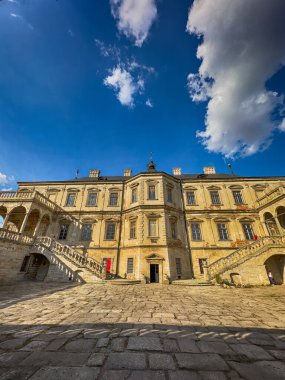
154 272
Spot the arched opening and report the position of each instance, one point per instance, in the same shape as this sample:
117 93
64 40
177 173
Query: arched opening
3 213
15 219
271 224
280 212
32 223
275 264
38 267
44 225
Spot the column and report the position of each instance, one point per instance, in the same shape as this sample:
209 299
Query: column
37 227
24 222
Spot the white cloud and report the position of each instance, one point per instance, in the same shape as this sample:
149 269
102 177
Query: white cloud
243 46
134 18
3 179
123 83
15 15
149 103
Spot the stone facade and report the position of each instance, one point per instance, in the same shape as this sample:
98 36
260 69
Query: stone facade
153 226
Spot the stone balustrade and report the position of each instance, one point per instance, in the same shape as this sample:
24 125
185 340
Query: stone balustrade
270 196
235 258
15 237
72 254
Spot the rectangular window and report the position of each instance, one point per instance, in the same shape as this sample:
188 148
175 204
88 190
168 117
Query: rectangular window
152 228
173 229
190 195
169 195
196 231
222 231
86 234
25 264
92 199
113 201
134 195
178 266
202 263
248 232
63 232
70 200
215 197
238 197
130 265
133 230
110 231
151 192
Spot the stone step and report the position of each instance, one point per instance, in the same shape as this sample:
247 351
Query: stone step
192 282
123 281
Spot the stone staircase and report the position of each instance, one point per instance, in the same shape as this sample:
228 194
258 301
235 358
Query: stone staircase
242 255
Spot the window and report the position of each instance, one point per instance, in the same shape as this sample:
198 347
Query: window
152 228
190 195
238 197
134 195
178 266
70 200
130 265
92 199
86 234
110 231
151 192
248 232
63 232
173 229
133 230
202 263
25 264
222 231
215 197
196 231
169 195
113 201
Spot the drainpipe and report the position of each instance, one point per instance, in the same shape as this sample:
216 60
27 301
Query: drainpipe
186 229
120 231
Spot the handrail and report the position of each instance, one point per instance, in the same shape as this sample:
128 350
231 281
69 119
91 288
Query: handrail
15 237
233 259
72 254
270 195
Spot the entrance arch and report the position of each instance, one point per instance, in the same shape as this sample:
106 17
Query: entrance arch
32 222
276 265
38 267
271 224
280 212
16 218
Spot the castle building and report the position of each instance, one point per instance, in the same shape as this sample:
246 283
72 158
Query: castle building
151 226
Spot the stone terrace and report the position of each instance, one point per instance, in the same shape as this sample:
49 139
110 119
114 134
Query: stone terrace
50 331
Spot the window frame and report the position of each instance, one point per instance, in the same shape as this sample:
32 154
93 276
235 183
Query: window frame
83 232
169 195
112 193
130 260
250 232
134 195
149 228
213 194
62 235
194 232
188 198
92 193
108 224
173 229
178 266
133 229
222 230
71 194
238 197
153 196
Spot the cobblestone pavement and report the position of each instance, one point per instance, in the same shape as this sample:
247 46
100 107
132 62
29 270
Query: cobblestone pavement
156 332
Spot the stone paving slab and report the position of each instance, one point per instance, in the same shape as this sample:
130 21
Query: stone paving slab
50 331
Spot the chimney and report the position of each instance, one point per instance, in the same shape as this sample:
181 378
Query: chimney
209 170
127 172
95 173
177 171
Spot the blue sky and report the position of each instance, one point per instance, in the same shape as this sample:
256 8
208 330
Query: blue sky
59 111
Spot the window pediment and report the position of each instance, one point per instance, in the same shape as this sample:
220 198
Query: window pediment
73 190
236 187
246 220
189 188
213 187
153 215
113 189
53 190
134 185
259 187
221 220
93 189
89 220
195 220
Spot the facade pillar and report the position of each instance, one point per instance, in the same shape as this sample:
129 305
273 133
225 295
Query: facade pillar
24 222
6 220
37 227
